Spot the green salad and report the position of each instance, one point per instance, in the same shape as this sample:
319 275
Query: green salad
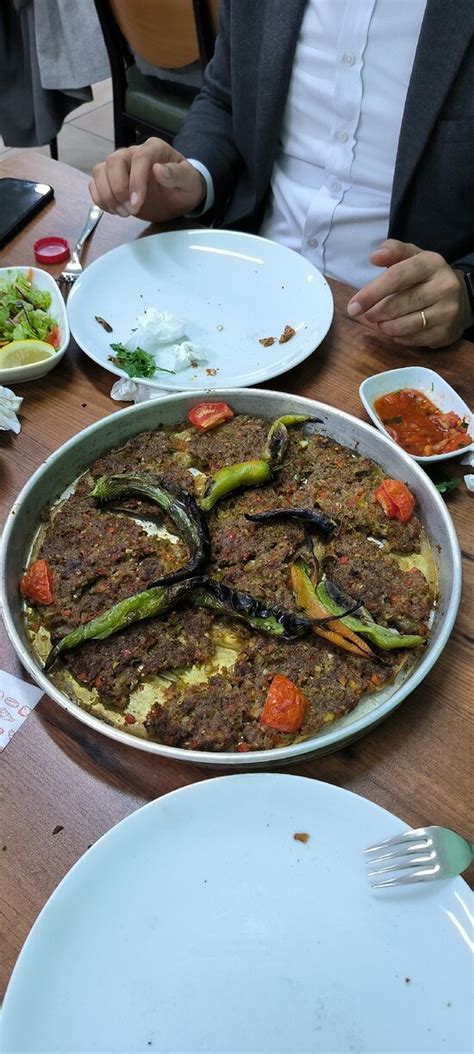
24 311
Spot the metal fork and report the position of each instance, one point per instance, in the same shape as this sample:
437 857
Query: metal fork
423 854
73 268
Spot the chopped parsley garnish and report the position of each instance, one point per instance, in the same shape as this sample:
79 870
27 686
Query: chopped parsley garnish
136 363
446 485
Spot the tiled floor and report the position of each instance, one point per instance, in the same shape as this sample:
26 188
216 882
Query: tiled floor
87 134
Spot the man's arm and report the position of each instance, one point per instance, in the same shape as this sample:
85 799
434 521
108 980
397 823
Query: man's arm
207 134
154 180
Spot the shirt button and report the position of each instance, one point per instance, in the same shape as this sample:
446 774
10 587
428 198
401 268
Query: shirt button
348 58
342 137
313 243
335 186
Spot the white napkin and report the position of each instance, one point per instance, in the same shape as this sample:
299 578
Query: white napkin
127 391
17 700
9 403
468 460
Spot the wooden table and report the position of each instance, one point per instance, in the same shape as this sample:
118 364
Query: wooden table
55 772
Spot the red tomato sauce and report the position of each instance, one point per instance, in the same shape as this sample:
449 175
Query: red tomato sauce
420 427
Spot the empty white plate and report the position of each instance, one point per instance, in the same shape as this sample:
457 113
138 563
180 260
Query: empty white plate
200 924
229 289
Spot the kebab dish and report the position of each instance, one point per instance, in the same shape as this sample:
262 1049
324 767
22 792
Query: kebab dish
230 583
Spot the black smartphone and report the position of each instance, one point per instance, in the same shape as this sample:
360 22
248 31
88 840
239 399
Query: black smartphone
20 200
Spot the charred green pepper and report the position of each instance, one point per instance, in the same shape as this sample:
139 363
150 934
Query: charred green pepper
311 517
133 609
179 506
382 636
273 619
277 438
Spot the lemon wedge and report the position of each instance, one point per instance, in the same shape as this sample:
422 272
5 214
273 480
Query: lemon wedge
24 353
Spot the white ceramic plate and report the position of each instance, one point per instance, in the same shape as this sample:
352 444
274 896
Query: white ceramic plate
427 381
42 280
199 924
230 289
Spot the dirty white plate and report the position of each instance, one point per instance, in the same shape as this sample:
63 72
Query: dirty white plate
424 380
230 289
199 924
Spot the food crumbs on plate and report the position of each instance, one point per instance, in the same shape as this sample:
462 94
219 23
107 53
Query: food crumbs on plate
59 827
287 334
211 373
301 836
102 322
267 341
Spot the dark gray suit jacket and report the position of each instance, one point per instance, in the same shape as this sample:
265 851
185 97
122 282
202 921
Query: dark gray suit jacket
234 124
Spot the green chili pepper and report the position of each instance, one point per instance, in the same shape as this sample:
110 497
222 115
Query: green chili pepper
274 620
292 419
384 638
277 438
276 444
234 477
133 609
180 507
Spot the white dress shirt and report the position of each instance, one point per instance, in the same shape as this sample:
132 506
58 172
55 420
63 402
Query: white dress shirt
332 177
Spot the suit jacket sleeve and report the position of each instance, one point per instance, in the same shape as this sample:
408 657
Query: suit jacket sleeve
207 133
466 261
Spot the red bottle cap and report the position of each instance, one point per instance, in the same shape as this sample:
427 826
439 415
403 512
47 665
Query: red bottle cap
51 250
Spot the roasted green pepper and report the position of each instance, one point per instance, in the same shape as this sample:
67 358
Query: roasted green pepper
180 507
133 609
325 626
309 517
273 620
277 438
382 636
235 477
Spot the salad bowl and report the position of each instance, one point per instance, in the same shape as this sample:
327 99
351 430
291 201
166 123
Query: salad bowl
45 282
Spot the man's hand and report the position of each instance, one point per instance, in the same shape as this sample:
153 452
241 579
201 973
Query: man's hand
415 281
151 181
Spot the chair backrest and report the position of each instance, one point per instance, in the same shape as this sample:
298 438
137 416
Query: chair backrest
163 32
214 14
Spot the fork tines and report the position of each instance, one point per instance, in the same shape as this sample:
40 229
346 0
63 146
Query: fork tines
401 851
403 840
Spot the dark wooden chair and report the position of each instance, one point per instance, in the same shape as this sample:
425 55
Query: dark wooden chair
168 34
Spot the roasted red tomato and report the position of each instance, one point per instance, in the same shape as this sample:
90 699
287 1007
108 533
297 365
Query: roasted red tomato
37 583
209 415
284 706
396 500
